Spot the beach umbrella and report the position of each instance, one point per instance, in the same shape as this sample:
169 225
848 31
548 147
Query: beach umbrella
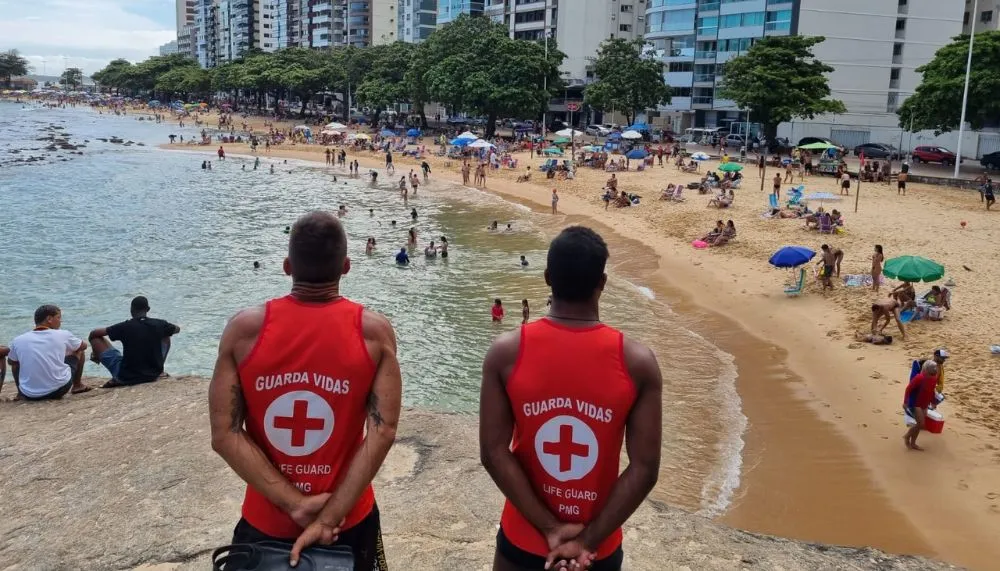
631 135
791 257
560 141
819 146
636 154
362 136
821 196
480 144
614 136
699 156
639 127
913 269
302 128
387 133
336 126
332 132
468 135
413 133
552 151
570 133
730 167
460 142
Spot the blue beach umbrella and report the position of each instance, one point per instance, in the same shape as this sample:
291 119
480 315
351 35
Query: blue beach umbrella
791 257
636 154
639 127
461 142
413 133
614 136
387 133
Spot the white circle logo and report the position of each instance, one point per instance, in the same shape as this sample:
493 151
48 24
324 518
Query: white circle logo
298 423
566 448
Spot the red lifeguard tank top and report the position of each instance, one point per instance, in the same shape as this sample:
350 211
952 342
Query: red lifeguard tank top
306 383
571 394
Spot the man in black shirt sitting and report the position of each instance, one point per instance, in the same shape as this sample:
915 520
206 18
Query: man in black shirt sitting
145 343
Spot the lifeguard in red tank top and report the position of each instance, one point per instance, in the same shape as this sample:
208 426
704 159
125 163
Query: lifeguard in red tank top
305 383
571 394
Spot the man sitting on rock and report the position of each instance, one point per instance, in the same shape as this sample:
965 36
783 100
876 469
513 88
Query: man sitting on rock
47 362
145 343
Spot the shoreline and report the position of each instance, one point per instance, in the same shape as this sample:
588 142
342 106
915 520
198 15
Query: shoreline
803 437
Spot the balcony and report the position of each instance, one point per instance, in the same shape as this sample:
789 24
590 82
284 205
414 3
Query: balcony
705 55
894 83
702 101
704 78
708 6
897 59
901 34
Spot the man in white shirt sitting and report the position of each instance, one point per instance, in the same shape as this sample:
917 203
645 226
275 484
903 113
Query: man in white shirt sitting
47 362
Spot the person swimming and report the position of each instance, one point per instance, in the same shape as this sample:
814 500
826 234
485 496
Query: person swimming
508 229
288 229
392 223
444 247
370 246
496 312
413 213
256 265
371 211
402 258
431 251
374 175
493 226
524 262
342 211
272 169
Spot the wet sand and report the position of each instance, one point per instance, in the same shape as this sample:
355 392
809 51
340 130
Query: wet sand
823 459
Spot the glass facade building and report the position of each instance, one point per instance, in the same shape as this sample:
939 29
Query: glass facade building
448 10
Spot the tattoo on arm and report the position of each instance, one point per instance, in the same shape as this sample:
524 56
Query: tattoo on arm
373 411
239 411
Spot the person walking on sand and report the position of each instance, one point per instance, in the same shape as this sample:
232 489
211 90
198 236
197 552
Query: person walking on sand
845 183
555 200
988 194
306 482
389 168
145 344
917 398
828 260
776 187
426 168
559 395
47 362
877 259
901 183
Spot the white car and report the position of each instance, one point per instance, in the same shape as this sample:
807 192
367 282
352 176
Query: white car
597 130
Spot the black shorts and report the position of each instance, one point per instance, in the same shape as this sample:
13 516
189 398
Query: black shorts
364 539
525 560
901 184
444 254
845 184
827 271
62 391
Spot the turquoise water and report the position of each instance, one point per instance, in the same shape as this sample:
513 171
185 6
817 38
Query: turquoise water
91 232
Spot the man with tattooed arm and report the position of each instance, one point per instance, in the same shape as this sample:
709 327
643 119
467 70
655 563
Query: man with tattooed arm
304 403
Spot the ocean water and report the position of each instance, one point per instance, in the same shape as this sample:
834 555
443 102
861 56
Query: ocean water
88 232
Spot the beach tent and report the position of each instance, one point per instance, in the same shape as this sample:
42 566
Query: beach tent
639 127
336 126
636 154
631 135
480 144
570 133
413 133
552 151
468 135
460 142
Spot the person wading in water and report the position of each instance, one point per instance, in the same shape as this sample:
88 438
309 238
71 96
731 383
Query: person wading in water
558 397
285 371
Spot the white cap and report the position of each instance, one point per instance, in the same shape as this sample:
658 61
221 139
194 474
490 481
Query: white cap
943 353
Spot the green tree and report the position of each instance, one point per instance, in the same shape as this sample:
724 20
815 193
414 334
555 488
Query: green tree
937 102
71 78
189 82
627 80
11 65
777 80
472 65
115 75
384 85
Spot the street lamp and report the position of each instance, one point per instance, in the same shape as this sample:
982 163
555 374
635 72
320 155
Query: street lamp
965 94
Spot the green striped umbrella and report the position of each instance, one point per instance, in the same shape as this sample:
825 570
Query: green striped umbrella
913 269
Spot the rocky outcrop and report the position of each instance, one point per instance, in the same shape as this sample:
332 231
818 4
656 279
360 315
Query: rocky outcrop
126 479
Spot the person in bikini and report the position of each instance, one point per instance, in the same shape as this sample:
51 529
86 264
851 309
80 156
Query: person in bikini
885 310
307 483
559 395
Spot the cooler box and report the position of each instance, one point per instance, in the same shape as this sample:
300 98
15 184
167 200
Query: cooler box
935 422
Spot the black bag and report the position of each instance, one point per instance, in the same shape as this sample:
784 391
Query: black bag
273 556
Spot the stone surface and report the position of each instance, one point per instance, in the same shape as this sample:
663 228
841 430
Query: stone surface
126 479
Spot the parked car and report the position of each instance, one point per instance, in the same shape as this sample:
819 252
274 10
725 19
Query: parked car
811 140
457 121
877 151
991 161
597 130
734 140
930 154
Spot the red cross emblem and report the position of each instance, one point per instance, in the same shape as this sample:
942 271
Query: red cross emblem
565 448
299 423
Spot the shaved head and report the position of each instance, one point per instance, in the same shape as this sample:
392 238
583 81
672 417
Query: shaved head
317 248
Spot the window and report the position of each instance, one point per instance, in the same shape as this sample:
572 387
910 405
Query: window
986 16
747 19
900 24
965 19
897 49
902 3
533 16
680 91
894 73
892 101
708 26
626 8
780 20
680 66
679 20
624 27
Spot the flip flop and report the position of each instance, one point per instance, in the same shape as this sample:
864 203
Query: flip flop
112 384
83 389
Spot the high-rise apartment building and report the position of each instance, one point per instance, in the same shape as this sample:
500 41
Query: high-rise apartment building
987 16
168 48
417 19
385 28
874 47
186 10
448 10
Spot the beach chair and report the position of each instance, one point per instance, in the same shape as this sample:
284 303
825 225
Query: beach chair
677 194
773 202
795 290
825 224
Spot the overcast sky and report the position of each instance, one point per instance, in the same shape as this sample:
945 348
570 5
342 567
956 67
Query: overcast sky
87 33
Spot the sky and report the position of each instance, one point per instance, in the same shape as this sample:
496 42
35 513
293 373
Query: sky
87 33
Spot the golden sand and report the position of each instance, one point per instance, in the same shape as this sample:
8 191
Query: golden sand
825 459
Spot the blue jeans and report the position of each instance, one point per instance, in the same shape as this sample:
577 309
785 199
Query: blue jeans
112 359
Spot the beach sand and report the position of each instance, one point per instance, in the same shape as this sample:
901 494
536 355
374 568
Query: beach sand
824 458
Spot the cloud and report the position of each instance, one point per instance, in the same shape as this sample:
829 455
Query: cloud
88 33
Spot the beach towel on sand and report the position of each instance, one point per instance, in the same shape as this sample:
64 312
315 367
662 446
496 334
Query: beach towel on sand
861 280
